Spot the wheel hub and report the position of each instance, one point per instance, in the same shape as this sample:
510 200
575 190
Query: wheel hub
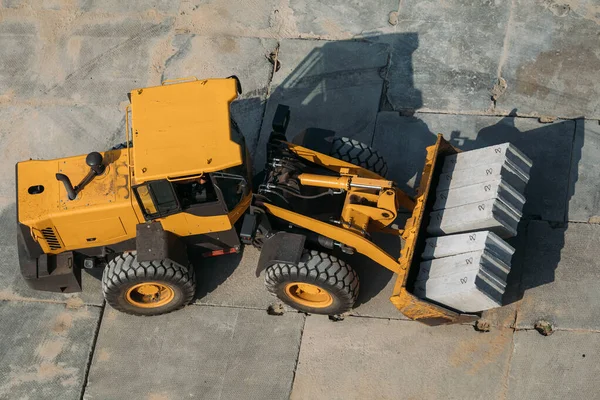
308 294
150 294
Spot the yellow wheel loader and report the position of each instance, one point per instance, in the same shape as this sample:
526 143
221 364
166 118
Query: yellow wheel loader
182 182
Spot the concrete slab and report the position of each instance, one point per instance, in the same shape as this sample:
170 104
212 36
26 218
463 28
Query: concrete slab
198 352
551 58
363 356
220 57
584 197
342 19
255 18
402 142
231 281
330 85
449 54
66 56
376 287
44 349
116 6
562 366
104 6
561 276
47 132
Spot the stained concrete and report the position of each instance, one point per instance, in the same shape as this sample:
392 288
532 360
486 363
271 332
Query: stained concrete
250 18
65 69
60 56
584 196
231 281
44 349
374 358
402 142
561 276
551 58
564 365
449 58
341 19
199 352
53 131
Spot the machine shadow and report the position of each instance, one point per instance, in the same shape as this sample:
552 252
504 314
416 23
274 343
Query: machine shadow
340 86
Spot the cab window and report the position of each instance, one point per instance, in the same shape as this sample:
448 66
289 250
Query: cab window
233 185
198 190
157 198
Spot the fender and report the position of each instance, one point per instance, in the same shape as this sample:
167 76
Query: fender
282 247
153 243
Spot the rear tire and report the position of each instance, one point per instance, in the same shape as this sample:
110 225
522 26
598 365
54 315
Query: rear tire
319 284
147 288
358 153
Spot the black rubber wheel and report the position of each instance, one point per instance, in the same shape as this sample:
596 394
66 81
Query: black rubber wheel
320 284
358 153
147 288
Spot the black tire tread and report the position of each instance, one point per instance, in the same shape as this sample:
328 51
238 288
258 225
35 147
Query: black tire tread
125 268
317 267
358 153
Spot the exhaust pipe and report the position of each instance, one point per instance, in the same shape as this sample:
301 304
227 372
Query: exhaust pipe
94 161
68 185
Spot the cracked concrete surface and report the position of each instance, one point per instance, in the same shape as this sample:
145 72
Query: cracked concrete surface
391 73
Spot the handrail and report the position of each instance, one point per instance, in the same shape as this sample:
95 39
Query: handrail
179 80
127 142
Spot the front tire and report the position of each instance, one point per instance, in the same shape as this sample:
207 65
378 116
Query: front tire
319 284
147 288
358 153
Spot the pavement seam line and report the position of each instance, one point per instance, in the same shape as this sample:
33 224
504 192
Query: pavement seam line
297 355
506 376
555 329
267 94
505 47
569 178
88 365
31 300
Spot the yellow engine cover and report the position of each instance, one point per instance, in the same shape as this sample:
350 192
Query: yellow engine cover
103 212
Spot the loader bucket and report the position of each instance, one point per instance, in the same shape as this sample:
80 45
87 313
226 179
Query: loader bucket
415 233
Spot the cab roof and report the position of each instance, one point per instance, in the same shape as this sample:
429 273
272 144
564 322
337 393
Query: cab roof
183 129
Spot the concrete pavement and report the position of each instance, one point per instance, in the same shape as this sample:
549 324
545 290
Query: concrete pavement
389 73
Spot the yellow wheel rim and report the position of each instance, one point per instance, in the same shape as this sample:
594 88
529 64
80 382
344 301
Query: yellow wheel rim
149 295
307 294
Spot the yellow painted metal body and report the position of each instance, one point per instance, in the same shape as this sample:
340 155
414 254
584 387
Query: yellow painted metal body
149 295
183 129
308 295
102 213
371 205
179 130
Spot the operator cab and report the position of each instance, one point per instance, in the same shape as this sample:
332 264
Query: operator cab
188 154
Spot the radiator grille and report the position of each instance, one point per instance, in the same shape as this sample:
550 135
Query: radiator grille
51 239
